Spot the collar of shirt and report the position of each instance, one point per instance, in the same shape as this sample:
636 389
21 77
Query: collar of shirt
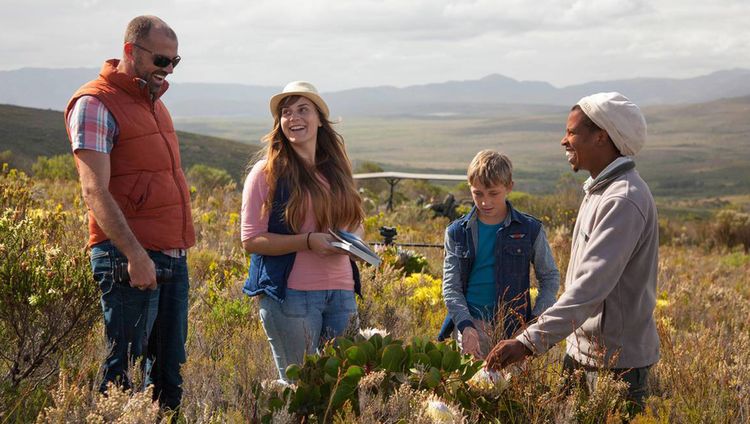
613 168
142 84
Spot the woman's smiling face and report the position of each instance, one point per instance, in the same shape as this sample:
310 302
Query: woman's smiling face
300 122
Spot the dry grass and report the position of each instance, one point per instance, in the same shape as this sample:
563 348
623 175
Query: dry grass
703 315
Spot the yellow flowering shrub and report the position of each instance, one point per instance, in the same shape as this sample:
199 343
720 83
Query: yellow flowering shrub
426 298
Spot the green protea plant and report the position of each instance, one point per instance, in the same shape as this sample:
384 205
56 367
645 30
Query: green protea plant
330 379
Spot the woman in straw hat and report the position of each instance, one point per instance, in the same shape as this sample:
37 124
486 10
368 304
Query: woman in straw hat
300 188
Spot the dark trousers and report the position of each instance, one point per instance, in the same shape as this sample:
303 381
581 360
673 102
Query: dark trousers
138 323
637 379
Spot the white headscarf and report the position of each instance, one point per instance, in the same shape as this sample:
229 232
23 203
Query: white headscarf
621 118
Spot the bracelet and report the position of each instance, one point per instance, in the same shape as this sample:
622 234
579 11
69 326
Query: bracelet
308 241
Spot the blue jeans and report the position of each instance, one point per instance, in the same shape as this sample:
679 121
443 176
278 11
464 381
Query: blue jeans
138 323
303 320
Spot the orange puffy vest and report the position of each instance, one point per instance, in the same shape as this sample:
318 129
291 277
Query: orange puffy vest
146 177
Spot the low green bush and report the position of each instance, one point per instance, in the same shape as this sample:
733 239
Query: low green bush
207 178
732 228
324 383
59 167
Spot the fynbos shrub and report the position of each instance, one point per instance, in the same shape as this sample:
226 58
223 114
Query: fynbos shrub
207 178
60 167
48 301
732 228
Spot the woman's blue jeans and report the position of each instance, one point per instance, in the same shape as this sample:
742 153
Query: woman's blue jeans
303 320
138 323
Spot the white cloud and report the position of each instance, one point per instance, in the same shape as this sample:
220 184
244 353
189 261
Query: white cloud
341 44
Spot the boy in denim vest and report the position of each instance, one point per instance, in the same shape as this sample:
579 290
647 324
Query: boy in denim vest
488 254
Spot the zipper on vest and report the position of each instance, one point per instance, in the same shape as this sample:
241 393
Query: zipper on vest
153 112
174 173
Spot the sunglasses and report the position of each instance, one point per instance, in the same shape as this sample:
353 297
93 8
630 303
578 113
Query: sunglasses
161 60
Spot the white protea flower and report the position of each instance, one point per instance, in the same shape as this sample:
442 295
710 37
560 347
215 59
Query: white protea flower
275 385
440 412
369 332
486 379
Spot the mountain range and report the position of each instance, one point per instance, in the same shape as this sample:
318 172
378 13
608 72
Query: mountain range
51 88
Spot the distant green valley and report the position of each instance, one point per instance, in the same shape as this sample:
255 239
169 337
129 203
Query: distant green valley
700 150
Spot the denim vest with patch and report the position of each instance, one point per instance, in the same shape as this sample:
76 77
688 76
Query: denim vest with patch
268 274
513 251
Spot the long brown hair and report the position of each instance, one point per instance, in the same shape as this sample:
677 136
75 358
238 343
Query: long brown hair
336 207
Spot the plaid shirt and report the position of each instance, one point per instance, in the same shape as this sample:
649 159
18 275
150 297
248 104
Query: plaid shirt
92 126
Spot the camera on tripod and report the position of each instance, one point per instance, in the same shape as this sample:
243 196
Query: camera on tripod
388 234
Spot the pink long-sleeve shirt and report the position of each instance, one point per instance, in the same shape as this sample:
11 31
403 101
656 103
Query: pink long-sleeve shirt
310 271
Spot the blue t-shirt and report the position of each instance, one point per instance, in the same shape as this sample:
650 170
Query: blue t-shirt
481 295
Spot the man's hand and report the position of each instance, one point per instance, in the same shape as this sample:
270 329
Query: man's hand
142 272
470 342
505 353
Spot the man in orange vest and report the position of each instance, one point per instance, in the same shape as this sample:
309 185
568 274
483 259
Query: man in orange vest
140 223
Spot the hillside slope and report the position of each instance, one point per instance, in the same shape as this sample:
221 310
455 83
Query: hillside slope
29 133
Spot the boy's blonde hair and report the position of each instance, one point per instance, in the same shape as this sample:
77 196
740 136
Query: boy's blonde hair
490 168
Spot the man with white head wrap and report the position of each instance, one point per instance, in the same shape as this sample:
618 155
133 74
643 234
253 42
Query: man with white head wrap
619 117
606 311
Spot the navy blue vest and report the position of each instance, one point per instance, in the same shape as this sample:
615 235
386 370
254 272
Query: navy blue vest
513 249
269 274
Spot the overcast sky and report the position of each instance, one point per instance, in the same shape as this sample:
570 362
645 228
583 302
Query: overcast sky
340 44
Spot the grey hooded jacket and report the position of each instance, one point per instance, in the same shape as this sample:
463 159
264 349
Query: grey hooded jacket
606 310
